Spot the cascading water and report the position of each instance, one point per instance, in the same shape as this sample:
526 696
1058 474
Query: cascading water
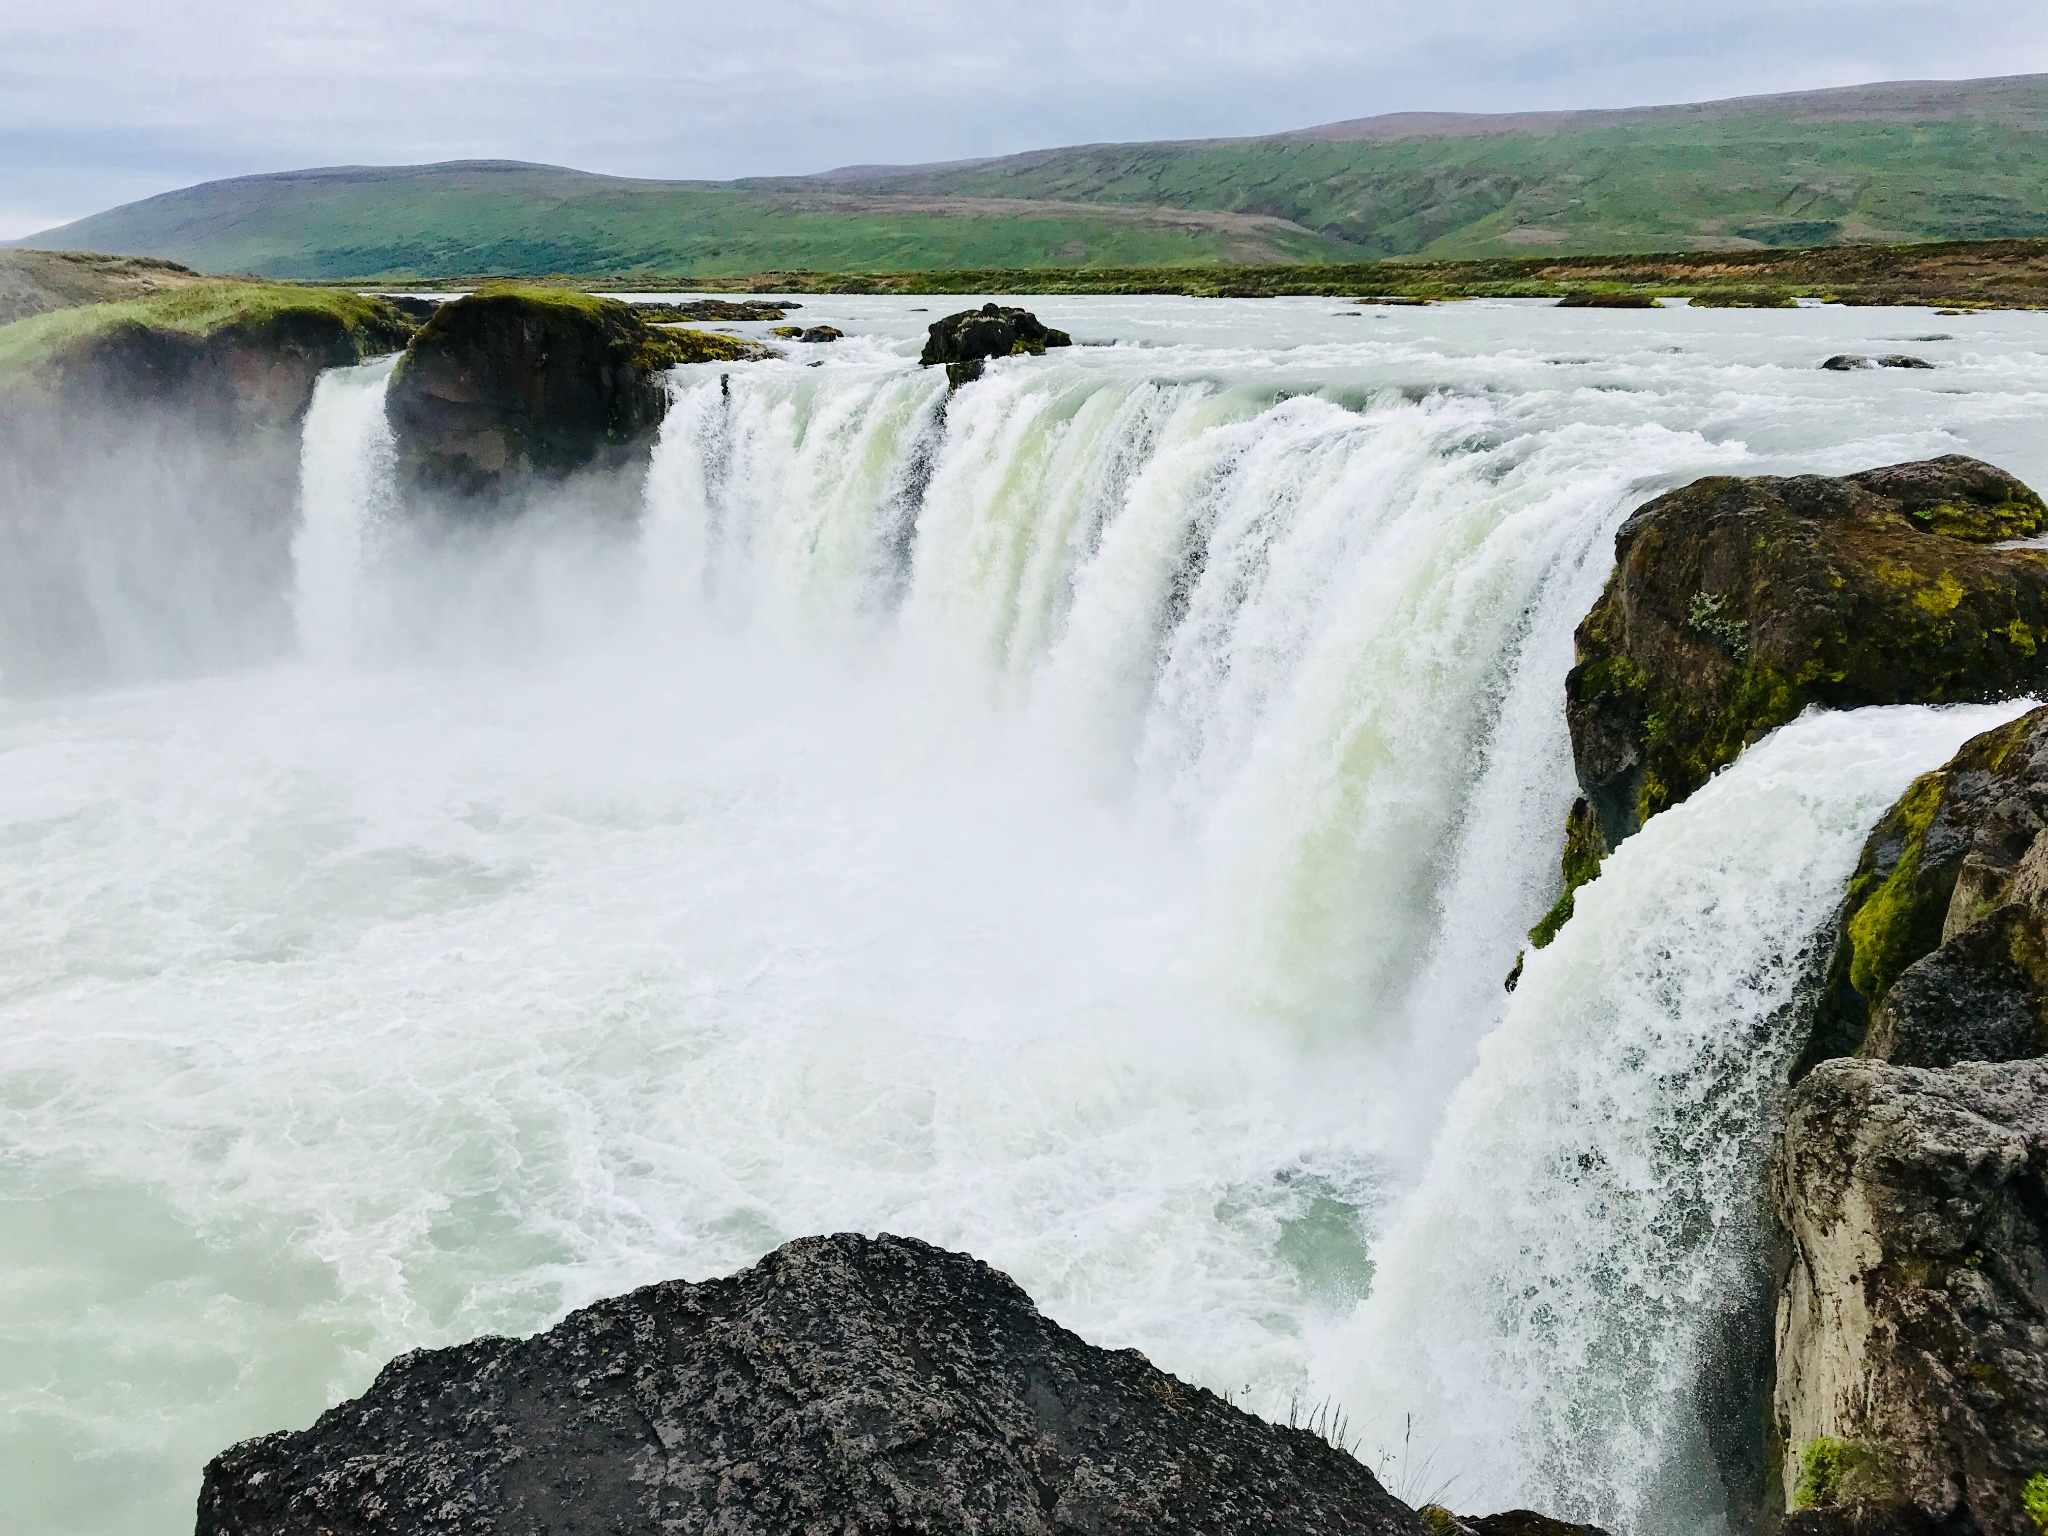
1084 818
346 483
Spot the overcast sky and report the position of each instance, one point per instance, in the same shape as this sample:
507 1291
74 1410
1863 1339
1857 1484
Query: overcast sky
105 101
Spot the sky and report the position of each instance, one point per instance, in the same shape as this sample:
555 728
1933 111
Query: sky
106 101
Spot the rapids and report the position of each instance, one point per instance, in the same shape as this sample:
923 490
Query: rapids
1084 820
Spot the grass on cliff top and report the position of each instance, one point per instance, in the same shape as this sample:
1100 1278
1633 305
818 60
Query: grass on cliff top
28 345
662 346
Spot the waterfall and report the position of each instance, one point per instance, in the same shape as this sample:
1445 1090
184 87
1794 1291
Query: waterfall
1324 637
1084 818
1591 1214
346 469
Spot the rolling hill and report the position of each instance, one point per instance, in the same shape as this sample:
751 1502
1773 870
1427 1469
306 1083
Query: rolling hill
1939 160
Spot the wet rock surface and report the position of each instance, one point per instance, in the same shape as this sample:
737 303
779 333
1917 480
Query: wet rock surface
1943 949
1912 1366
844 1384
1736 603
1850 362
963 341
510 386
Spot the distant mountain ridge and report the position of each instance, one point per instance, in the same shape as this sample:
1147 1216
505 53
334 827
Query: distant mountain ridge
1899 161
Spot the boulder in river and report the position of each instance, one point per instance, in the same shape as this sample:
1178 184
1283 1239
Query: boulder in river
1849 362
844 1384
962 341
515 384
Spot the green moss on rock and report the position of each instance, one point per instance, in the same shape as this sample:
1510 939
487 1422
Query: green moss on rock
250 350
1942 953
519 381
1737 603
1839 1472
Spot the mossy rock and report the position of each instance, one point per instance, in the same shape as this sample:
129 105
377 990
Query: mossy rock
1737 603
241 354
963 341
1942 954
519 382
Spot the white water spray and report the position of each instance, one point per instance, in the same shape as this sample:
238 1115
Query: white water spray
345 491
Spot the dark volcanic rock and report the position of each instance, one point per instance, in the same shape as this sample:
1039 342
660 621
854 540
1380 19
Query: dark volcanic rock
844 1385
1736 603
514 384
1912 1391
1943 949
1513 1522
962 341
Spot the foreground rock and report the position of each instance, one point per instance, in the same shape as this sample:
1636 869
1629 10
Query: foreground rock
844 1385
1943 950
1912 1390
513 385
963 341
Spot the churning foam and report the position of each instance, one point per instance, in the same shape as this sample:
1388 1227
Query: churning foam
1083 818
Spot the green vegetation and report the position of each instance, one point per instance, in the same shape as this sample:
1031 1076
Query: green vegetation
2035 1498
1874 164
1833 1472
1584 848
202 310
35 282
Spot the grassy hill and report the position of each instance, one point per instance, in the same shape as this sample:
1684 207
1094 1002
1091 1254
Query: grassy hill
35 282
1914 161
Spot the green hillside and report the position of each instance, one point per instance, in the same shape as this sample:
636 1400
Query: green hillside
482 218
1918 161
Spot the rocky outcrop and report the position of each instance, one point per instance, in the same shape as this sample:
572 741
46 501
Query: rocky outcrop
1850 362
963 341
514 385
844 1384
1943 948
1736 603
1912 1376
234 356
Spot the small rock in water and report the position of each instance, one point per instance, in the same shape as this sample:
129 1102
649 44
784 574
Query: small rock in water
1587 300
964 340
821 333
1847 362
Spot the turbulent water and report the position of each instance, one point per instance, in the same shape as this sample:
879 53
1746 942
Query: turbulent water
1084 819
